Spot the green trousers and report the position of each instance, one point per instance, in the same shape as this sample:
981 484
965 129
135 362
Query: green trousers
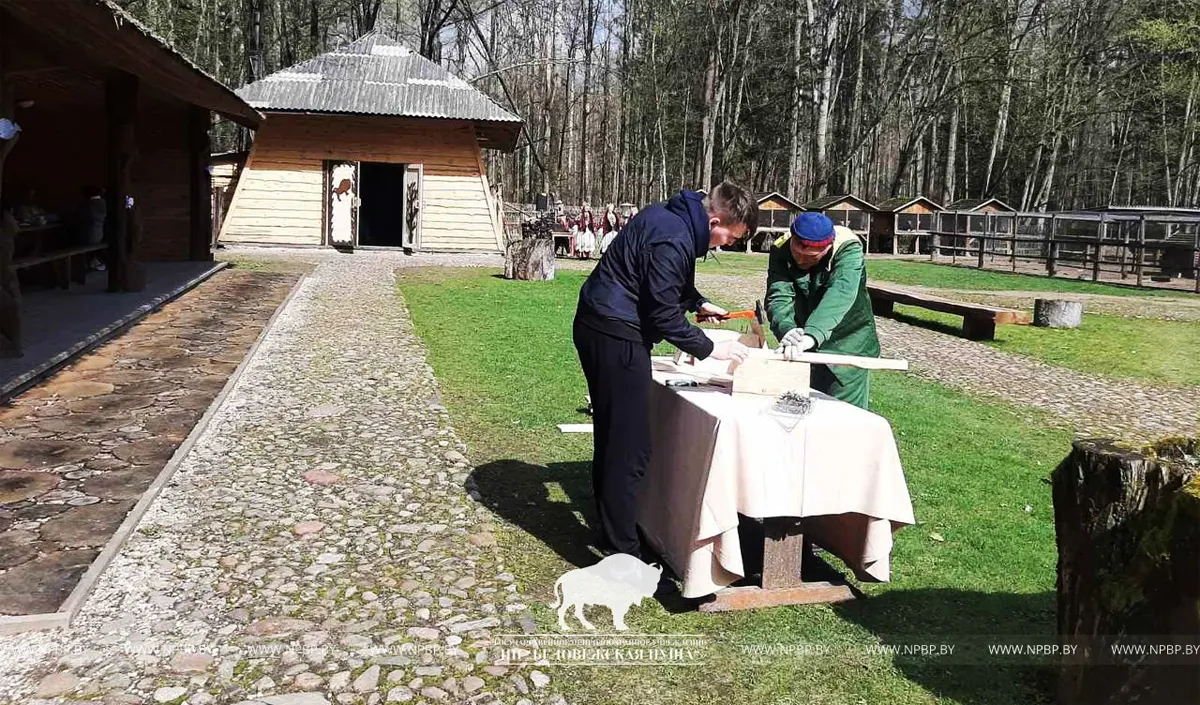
850 384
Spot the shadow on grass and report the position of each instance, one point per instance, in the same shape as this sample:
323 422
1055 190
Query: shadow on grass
521 493
969 620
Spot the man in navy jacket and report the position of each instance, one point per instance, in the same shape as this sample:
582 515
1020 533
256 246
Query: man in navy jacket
635 297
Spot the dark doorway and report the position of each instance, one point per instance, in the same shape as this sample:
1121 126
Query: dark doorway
381 215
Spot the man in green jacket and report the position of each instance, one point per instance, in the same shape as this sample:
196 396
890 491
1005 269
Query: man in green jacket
817 300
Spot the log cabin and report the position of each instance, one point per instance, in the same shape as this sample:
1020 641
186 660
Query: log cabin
370 145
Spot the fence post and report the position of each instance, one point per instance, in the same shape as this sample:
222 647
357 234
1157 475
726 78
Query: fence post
1124 226
1051 247
987 229
1012 231
1141 248
1100 233
954 250
935 240
1196 259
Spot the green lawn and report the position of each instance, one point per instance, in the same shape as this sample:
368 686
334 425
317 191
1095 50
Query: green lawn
1159 352
941 276
503 354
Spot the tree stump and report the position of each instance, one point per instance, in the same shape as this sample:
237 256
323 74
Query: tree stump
1128 532
1057 313
530 259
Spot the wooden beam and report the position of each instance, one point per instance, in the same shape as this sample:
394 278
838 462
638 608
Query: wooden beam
200 186
819 358
120 94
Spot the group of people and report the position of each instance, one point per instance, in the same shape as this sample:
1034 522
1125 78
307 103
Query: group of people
592 234
639 293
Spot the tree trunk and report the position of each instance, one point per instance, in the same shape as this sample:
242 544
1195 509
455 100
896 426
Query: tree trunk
530 259
1128 547
794 150
825 105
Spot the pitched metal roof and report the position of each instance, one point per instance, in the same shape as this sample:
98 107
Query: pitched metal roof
375 75
827 201
970 204
899 203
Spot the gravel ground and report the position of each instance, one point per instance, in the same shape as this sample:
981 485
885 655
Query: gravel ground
1089 404
317 545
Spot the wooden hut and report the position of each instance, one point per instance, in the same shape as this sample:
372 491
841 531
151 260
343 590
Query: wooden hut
102 103
901 223
775 215
846 210
370 145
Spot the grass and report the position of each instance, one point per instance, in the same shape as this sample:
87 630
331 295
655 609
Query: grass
1147 350
942 276
503 355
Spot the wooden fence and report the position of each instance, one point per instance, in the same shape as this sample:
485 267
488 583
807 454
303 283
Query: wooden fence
1108 247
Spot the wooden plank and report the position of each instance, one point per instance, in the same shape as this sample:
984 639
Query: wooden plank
576 428
751 598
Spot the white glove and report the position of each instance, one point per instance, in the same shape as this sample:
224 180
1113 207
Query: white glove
792 337
793 352
730 350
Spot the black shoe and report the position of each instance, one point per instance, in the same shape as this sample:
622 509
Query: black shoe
666 586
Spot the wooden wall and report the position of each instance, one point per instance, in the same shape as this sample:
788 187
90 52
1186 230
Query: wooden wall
280 196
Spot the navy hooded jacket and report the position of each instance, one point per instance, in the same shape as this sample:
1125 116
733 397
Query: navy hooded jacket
646 279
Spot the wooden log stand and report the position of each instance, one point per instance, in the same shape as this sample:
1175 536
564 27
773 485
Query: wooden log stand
1128 534
783 552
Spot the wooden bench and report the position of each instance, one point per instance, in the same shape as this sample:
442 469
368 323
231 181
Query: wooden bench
979 320
62 259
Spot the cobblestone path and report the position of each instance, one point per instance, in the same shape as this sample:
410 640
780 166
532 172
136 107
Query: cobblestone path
1090 404
316 546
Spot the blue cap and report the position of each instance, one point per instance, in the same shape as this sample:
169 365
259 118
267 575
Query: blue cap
812 227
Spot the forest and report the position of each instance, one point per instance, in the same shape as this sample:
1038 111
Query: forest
1045 104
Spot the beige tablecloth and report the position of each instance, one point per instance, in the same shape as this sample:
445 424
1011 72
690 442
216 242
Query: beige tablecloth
716 456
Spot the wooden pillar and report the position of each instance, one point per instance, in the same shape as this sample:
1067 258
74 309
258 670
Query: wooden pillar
1196 258
120 103
987 230
895 233
200 184
1012 234
1103 230
1051 246
1140 252
1124 245
10 290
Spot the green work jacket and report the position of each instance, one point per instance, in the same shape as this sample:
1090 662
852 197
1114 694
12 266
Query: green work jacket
829 301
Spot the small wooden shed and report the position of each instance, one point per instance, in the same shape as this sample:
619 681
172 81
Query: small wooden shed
371 145
846 210
971 214
775 215
901 223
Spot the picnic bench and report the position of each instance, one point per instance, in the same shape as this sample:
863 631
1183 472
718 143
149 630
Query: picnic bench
979 320
62 259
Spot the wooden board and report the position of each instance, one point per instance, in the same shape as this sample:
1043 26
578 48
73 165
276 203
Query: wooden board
576 428
835 359
770 377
